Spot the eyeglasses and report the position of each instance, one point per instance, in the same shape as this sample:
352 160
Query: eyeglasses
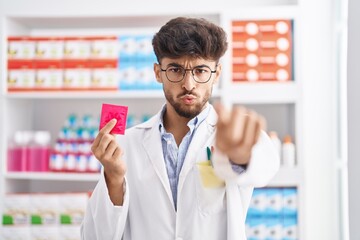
201 74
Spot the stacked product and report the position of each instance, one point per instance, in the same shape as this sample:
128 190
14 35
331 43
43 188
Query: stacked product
272 214
29 151
72 151
136 63
43 216
80 63
262 50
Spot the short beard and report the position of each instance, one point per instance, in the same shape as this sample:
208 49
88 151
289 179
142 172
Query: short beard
183 112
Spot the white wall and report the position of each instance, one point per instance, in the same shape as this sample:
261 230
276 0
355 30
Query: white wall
318 122
354 117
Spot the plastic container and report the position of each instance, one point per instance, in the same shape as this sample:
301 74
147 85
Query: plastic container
288 152
39 152
18 152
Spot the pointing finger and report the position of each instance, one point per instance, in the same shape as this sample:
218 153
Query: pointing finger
109 126
106 129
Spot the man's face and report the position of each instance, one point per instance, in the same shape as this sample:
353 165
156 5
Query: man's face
187 97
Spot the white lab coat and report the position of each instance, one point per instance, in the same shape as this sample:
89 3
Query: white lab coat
148 211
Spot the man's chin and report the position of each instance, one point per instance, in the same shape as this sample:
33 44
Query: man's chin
187 113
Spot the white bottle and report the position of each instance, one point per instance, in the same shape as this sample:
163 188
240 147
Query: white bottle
275 139
288 152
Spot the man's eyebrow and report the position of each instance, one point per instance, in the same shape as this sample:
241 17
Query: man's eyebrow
174 65
178 65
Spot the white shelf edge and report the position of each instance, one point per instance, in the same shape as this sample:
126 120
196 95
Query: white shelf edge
287 177
264 93
86 94
125 94
86 177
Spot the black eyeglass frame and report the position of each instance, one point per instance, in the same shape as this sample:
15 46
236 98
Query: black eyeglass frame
188 69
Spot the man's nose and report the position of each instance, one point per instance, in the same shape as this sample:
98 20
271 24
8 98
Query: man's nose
189 82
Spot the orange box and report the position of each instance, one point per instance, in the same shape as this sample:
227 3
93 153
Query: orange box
264 48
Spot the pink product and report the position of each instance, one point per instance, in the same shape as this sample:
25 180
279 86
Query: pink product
109 112
39 159
17 159
28 159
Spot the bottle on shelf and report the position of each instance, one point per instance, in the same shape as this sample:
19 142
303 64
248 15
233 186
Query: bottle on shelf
288 152
39 152
18 152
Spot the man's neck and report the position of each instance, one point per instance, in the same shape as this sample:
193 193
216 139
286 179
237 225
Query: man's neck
175 124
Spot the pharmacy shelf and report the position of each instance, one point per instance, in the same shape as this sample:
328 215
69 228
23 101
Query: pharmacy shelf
264 92
287 177
128 94
85 177
86 94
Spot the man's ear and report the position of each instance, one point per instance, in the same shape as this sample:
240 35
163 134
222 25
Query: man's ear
157 72
218 73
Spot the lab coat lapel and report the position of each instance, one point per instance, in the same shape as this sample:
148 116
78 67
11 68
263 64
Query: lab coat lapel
202 138
153 147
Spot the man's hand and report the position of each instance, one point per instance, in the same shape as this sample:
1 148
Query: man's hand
108 152
237 132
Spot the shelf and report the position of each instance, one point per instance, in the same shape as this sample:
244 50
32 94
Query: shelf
86 94
131 94
287 177
49 176
264 92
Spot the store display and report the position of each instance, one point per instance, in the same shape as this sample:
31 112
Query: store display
72 150
262 50
272 214
43 216
81 63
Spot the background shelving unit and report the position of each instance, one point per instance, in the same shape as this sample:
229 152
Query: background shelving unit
281 103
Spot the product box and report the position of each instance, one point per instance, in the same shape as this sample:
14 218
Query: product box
15 233
49 48
258 203
77 48
290 202
21 75
146 77
290 228
16 210
255 228
44 232
67 232
44 209
72 208
274 198
145 52
77 75
128 48
274 227
21 48
106 47
49 75
128 76
105 75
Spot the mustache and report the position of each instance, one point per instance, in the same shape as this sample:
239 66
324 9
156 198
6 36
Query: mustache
187 93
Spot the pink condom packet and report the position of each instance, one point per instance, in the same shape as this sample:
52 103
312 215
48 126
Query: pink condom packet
108 112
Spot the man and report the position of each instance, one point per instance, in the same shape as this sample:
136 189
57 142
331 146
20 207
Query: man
154 184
